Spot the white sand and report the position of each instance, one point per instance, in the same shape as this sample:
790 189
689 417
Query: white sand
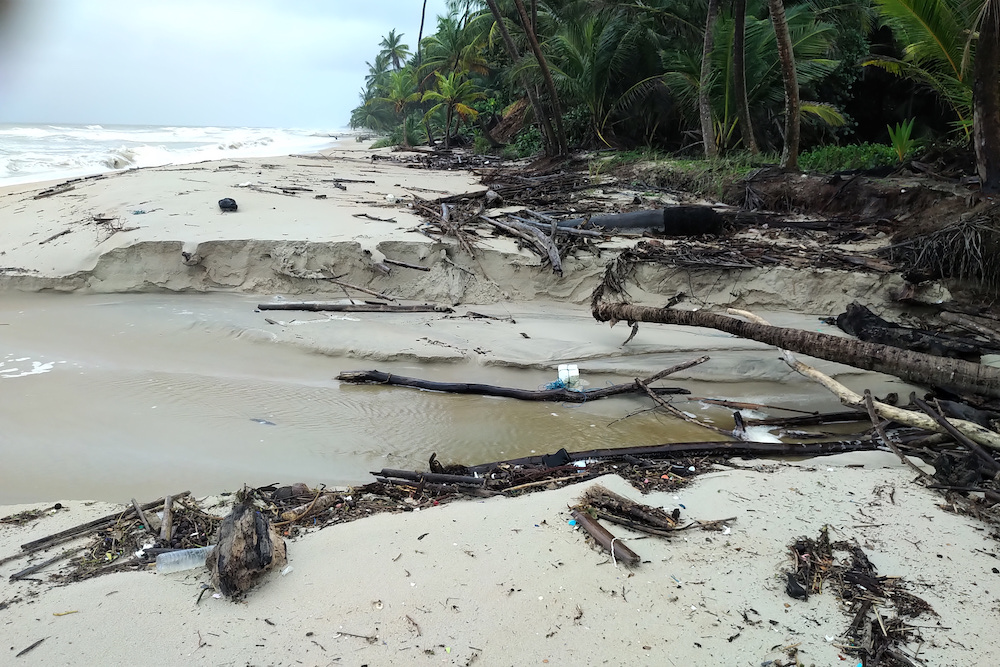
509 581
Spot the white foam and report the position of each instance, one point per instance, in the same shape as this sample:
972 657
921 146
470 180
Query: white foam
37 367
42 152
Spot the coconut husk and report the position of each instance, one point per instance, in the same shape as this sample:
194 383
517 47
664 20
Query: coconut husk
248 547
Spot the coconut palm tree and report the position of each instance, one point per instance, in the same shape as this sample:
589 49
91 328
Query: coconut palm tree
454 95
790 150
562 147
394 49
705 83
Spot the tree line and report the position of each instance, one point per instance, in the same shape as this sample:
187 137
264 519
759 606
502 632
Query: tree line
706 76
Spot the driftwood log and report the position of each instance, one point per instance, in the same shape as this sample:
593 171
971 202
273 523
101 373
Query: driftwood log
315 306
248 547
860 322
954 374
562 394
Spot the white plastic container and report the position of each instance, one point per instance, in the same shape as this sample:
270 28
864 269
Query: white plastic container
569 375
185 559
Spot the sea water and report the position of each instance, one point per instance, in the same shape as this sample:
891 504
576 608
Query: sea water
30 153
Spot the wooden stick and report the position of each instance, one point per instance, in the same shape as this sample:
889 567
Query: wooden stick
142 517
361 289
405 265
55 236
105 521
167 526
602 536
870 404
678 413
39 566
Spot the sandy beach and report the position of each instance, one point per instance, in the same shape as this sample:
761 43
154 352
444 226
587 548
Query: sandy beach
127 309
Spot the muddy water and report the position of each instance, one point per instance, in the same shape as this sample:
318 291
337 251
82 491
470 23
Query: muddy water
140 395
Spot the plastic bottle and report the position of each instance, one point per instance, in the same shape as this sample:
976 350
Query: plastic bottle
184 559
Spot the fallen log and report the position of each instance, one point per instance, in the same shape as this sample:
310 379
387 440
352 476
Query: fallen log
610 543
674 450
973 431
863 324
924 369
560 394
436 477
315 306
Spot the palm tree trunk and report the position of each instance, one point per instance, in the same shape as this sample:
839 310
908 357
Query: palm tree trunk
550 85
542 118
705 84
790 153
923 369
420 35
986 99
740 76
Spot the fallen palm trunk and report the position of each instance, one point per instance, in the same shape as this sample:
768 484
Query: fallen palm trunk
954 374
561 394
865 325
315 306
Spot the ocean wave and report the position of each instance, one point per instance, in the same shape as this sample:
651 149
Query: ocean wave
43 152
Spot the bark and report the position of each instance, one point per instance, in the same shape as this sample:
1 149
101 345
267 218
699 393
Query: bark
986 99
705 84
562 148
923 369
541 117
790 152
740 77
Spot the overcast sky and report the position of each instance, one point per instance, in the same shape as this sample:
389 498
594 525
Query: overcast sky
270 63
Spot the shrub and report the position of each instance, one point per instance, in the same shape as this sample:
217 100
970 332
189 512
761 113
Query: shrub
829 159
527 144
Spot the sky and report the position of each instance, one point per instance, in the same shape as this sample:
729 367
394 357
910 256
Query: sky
261 63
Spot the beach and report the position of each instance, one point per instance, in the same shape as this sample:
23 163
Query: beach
130 310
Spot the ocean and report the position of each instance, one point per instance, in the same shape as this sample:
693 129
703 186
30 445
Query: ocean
30 153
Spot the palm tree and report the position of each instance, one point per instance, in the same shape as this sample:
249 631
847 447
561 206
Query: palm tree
740 76
705 83
562 147
790 151
454 96
541 117
590 55
952 46
394 49
986 98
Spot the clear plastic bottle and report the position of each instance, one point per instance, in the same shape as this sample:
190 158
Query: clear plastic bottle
185 559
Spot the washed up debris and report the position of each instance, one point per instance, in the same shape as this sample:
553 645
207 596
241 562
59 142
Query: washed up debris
227 204
248 547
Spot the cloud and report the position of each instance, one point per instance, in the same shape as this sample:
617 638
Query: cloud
224 62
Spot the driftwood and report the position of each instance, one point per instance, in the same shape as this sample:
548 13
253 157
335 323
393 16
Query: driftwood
315 306
925 369
682 449
167 526
248 547
603 537
561 394
103 522
436 477
405 265
865 325
57 190
973 431
990 330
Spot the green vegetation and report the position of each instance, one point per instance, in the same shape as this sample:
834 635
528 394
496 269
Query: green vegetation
630 76
828 159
